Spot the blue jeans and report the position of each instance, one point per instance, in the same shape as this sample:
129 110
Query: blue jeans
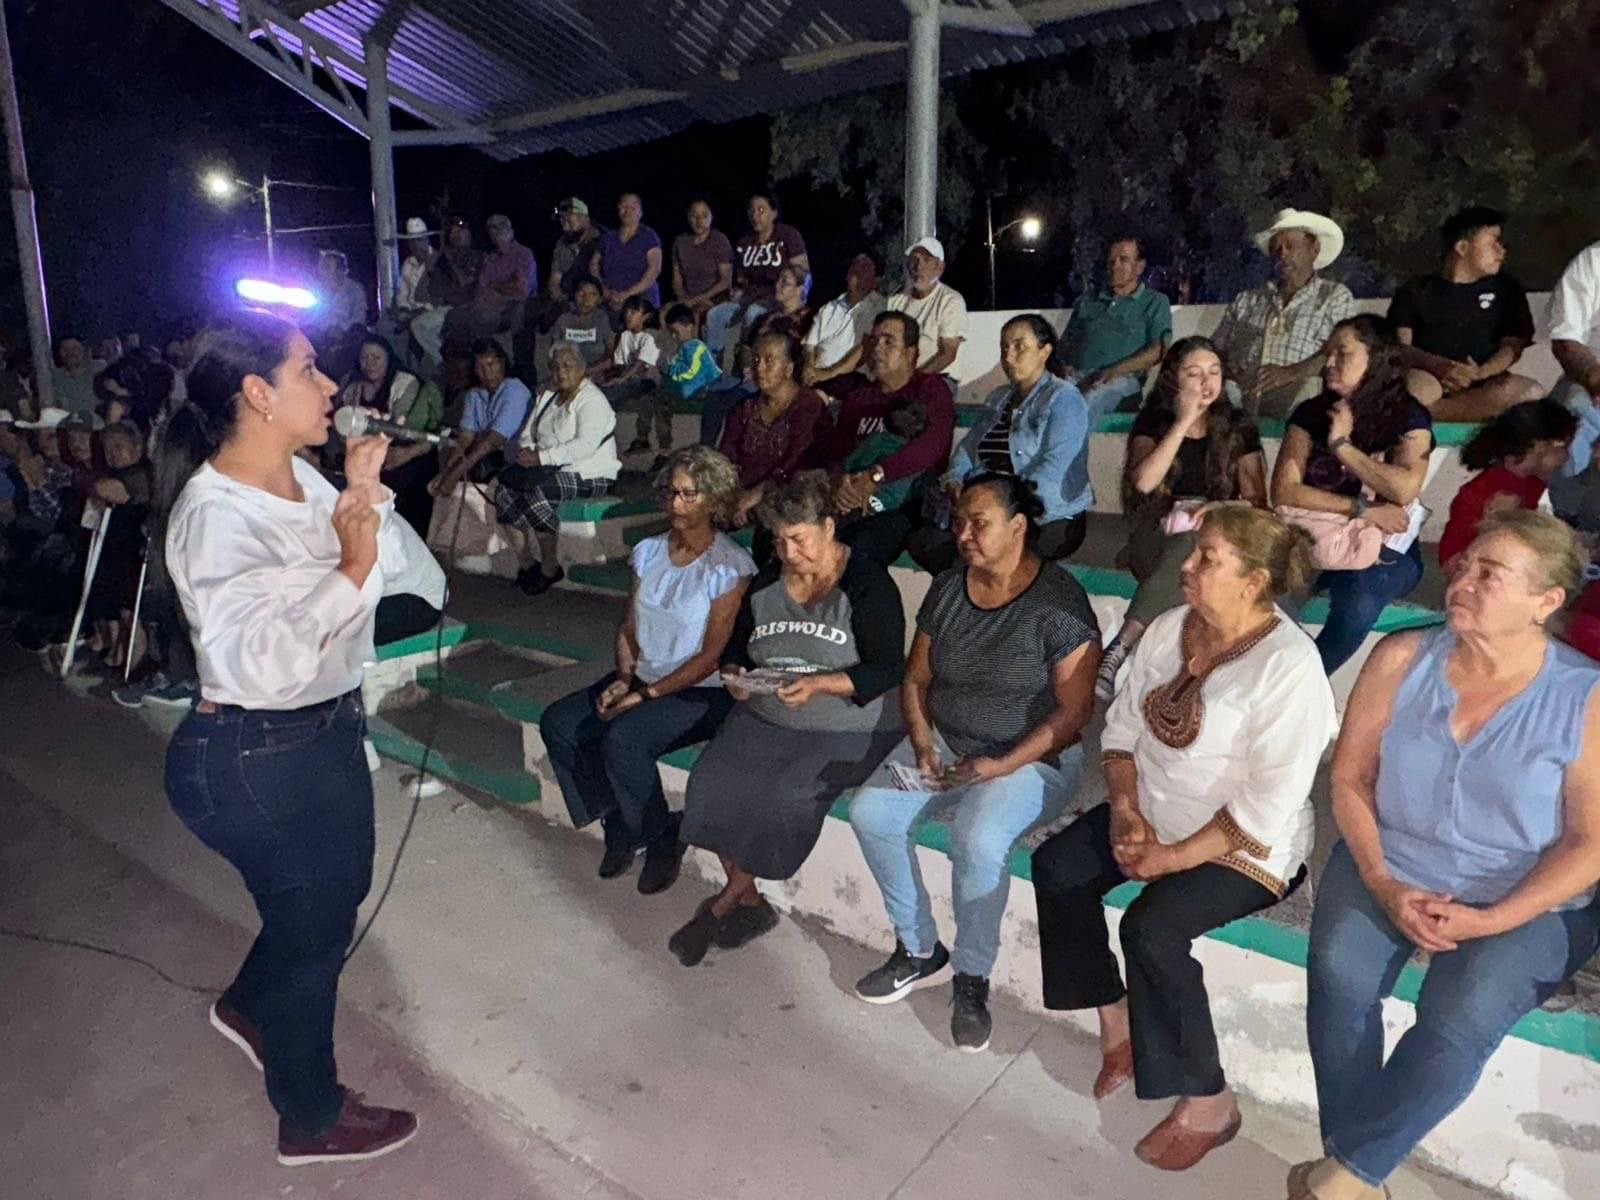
1105 398
286 798
989 818
1374 1113
721 319
607 769
1356 599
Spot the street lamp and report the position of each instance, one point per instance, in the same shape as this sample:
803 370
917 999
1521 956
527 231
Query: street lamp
1031 228
225 188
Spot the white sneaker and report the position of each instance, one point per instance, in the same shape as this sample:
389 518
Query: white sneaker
1105 682
425 786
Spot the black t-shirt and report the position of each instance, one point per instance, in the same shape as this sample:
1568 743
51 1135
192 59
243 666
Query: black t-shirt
1462 320
1323 468
1191 481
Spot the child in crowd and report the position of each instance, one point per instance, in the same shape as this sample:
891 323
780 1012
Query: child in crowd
587 327
904 422
633 377
1516 455
693 366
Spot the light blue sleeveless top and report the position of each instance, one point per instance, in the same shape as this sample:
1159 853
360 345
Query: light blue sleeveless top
1472 820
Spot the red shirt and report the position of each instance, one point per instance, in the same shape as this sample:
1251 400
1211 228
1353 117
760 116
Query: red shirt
862 413
776 451
1467 509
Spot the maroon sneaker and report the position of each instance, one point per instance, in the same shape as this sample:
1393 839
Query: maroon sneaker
362 1131
231 1024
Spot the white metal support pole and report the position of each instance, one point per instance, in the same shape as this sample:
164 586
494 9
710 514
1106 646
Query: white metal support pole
381 150
922 121
266 219
29 258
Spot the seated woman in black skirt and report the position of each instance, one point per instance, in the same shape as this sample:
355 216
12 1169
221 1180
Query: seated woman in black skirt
831 622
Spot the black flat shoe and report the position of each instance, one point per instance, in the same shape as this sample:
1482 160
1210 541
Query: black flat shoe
692 941
662 861
543 583
745 924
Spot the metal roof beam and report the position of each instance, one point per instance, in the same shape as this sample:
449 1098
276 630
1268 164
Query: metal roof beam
272 57
992 16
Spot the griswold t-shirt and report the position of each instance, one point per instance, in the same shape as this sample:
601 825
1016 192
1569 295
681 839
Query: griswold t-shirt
993 668
858 628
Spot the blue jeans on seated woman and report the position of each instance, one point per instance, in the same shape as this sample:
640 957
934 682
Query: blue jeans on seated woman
286 798
1356 599
1374 1113
987 820
607 769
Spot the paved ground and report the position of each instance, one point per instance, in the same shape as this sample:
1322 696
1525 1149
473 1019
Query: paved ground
531 1014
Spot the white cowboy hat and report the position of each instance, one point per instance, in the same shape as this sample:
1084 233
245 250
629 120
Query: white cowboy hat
1330 238
416 229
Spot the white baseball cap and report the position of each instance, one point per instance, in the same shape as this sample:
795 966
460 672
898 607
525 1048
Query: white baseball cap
931 244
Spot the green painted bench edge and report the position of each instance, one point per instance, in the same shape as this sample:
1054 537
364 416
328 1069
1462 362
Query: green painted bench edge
597 508
455 632
516 788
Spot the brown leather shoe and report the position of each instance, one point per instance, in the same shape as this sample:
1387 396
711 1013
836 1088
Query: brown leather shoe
1173 1146
362 1131
1116 1071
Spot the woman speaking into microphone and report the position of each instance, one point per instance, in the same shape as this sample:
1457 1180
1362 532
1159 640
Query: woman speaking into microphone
279 576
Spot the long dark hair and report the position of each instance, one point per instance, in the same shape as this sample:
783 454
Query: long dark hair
1380 401
1514 432
1045 334
389 372
253 343
1226 430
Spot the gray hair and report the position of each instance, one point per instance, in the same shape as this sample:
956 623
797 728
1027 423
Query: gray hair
567 351
807 499
714 476
1551 541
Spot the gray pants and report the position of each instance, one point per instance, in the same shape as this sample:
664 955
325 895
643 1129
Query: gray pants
1156 560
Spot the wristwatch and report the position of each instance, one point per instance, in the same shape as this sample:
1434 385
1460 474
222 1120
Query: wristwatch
1338 444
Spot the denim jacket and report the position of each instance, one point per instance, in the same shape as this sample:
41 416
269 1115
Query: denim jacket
1049 445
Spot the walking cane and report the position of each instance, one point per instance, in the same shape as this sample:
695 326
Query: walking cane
138 599
96 541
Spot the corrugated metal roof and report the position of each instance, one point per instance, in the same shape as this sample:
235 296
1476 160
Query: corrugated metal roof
591 75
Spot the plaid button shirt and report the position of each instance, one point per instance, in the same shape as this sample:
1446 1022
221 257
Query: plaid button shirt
1258 329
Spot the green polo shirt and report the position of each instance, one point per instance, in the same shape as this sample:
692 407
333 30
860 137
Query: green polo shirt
1106 329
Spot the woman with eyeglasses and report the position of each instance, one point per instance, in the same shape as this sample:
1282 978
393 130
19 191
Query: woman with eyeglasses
665 692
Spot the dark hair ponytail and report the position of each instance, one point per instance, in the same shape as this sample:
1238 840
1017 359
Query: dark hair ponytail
1513 433
1045 334
251 344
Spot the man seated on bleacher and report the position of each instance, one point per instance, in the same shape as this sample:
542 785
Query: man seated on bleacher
1463 329
495 412
1574 317
864 412
1272 337
836 342
1117 333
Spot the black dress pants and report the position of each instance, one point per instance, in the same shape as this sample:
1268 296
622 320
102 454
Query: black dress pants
1174 1043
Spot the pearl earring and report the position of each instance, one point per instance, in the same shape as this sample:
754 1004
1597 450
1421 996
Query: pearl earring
269 414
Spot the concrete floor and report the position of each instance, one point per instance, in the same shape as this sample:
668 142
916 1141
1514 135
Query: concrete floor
529 1012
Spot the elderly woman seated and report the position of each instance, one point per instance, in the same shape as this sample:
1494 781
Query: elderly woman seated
665 692
818 648
1035 426
567 450
1466 786
1359 452
997 690
1210 750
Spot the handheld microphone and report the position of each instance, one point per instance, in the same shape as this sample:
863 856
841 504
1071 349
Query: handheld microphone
355 422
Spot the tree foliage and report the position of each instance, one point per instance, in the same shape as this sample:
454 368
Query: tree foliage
1385 116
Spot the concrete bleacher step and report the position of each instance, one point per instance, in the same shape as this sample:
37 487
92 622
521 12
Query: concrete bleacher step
468 747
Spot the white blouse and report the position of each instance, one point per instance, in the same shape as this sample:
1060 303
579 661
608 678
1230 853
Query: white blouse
579 436
275 624
1268 716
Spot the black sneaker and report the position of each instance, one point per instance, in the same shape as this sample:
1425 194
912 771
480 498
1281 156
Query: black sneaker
903 974
744 925
663 858
970 1022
